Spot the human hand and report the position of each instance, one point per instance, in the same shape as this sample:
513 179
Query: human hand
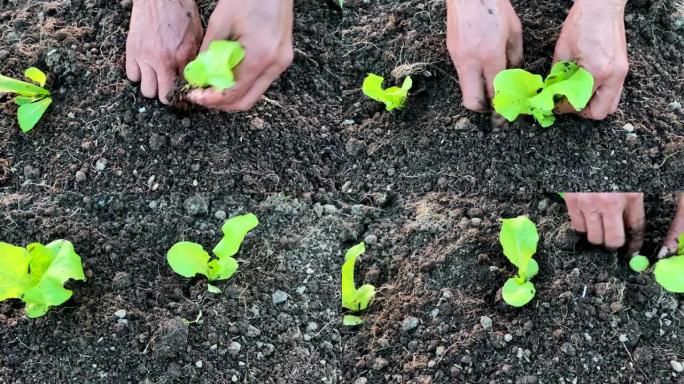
264 28
676 228
593 35
608 218
163 37
483 38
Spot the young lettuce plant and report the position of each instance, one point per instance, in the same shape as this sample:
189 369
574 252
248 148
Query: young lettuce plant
33 100
36 274
354 299
188 259
639 263
393 97
517 91
519 238
669 273
214 67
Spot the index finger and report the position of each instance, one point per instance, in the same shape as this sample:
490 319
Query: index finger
635 218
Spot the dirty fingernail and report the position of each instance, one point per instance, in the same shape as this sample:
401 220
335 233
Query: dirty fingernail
664 251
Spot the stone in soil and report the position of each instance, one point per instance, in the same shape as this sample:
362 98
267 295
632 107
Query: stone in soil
171 338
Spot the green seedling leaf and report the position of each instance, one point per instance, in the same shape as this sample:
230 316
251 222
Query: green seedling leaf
680 244
669 273
37 274
393 97
639 263
352 298
516 294
29 114
517 91
519 238
213 289
36 75
222 268
351 320
188 259
234 230
532 269
214 67
10 85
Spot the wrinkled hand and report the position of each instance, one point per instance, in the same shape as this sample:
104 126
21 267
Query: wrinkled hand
676 228
163 37
264 28
593 35
609 218
483 37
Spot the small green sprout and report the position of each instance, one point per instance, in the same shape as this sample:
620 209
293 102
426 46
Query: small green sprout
214 67
33 100
393 97
188 259
669 273
354 299
639 263
520 92
519 238
36 274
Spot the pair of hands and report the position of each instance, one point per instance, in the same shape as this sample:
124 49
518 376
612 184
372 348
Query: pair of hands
612 219
485 37
165 35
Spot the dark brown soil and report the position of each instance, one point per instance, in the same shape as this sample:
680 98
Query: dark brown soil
317 132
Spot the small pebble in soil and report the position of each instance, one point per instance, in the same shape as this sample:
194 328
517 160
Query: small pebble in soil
410 323
355 147
195 206
221 215
623 338
198 364
80 176
121 280
361 380
486 322
628 127
675 105
234 348
568 349
380 363
475 221
253 331
101 164
677 366
121 313
279 297
370 239
508 337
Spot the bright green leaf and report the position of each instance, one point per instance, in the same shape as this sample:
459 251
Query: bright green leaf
188 259
21 100
519 238
213 289
512 90
680 244
10 85
222 269
670 273
214 67
352 298
29 114
36 75
516 294
393 97
532 269
234 230
639 263
351 320
37 274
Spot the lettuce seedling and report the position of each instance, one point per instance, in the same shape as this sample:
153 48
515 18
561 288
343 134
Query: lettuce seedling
393 97
214 67
519 238
189 259
517 91
36 274
33 100
354 299
669 273
639 263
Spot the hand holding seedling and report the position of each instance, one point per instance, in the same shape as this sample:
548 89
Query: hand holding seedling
483 38
264 29
609 219
163 37
672 244
593 35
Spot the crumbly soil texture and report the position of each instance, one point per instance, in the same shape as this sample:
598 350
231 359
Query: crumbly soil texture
315 131
437 317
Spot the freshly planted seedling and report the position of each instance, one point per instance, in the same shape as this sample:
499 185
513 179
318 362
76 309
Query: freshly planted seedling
189 259
669 273
393 97
639 263
214 67
517 91
36 274
354 299
33 100
519 238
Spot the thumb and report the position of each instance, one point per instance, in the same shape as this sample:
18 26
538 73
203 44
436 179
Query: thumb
676 229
